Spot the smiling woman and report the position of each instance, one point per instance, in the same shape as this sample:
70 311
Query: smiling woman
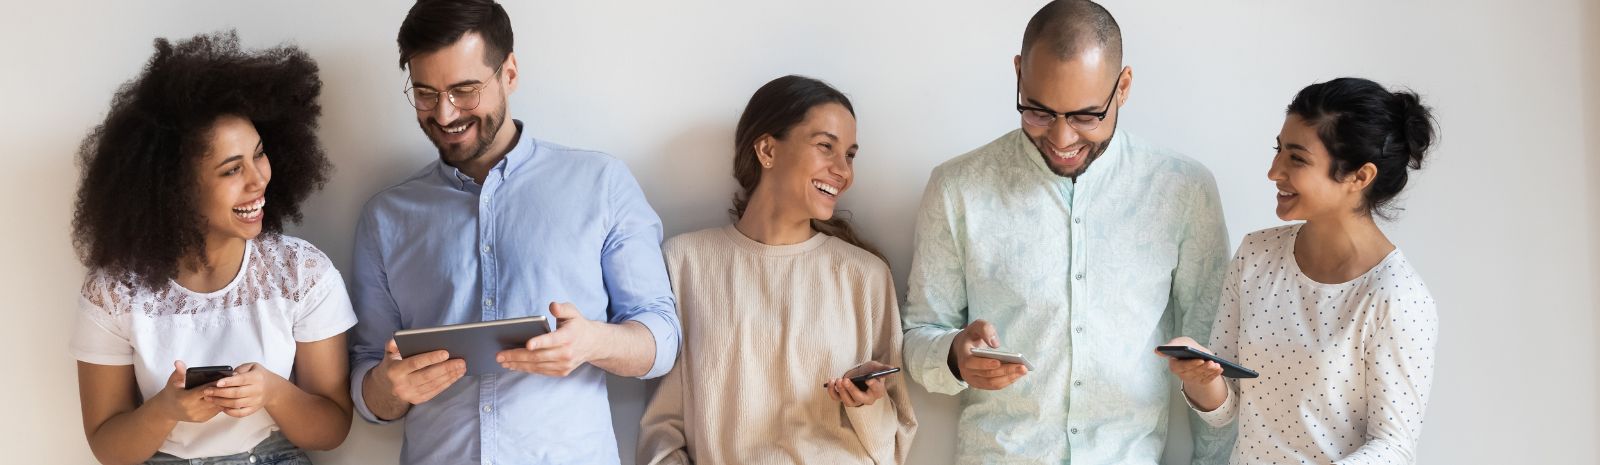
179 218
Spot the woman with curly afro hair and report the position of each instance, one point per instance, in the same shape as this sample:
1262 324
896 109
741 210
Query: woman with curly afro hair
185 190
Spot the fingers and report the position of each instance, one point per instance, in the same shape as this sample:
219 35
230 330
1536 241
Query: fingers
558 338
997 382
564 311
427 390
424 360
422 385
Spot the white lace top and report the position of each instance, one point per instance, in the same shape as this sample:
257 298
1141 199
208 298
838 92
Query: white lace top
286 292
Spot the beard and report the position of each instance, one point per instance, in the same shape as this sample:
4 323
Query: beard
1095 150
456 154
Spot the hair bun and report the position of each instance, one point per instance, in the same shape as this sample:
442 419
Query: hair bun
1415 126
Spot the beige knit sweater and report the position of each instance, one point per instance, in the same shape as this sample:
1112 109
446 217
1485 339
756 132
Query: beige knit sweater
763 328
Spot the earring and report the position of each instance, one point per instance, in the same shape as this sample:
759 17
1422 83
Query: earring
767 164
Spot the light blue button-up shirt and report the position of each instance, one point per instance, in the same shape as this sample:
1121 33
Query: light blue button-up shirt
549 223
1084 278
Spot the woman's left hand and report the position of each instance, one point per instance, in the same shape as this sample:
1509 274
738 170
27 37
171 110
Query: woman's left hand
845 392
250 389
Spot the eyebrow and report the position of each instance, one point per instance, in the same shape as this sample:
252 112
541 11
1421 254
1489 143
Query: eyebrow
833 137
238 157
1088 109
1297 147
469 82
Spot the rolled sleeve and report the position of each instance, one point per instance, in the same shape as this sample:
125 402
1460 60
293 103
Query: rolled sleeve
1223 415
358 380
928 353
634 270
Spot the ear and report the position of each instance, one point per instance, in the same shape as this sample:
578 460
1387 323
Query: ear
508 73
766 150
1362 177
1124 86
1016 62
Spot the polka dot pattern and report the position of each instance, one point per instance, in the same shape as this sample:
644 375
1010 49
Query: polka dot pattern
1345 368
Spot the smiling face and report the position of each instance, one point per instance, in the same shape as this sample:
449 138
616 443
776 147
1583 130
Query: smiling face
463 136
233 175
811 166
1302 170
1080 84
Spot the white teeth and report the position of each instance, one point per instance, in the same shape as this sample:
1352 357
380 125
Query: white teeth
251 211
1067 155
1283 193
833 191
455 129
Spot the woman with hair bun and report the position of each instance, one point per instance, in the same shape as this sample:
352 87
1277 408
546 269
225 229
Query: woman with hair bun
1339 325
185 191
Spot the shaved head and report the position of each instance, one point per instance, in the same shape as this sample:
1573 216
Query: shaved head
1070 28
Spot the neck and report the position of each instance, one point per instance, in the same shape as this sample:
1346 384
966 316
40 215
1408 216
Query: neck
221 264
1340 248
504 140
763 221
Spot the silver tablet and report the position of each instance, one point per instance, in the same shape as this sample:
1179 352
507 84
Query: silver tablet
477 343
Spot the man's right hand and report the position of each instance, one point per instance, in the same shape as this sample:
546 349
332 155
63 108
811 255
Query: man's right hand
416 379
982 373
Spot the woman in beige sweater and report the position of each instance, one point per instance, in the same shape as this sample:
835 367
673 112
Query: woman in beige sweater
778 307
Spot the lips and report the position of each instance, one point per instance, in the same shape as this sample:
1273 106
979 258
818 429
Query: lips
826 188
250 211
1069 155
456 132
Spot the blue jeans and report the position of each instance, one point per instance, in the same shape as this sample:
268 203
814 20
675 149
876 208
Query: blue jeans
275 450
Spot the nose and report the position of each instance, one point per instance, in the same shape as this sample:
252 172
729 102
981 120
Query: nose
1061 135
444 112
1275 170
840 166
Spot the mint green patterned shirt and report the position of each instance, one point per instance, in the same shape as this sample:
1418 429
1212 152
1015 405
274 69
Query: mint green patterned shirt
1084 278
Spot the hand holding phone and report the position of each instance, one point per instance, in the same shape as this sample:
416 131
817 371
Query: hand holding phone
858 391
1229 369
973 358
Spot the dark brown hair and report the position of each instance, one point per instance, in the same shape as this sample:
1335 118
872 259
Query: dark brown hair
777 107
435 24
136 210
1361 122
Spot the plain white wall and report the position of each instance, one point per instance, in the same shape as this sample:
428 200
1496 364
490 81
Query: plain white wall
1503 223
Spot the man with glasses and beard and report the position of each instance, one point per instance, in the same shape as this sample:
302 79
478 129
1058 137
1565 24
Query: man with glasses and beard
1077 245
503 226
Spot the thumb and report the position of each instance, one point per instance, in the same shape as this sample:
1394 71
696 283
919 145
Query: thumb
986 333
391 351
564 311
177 378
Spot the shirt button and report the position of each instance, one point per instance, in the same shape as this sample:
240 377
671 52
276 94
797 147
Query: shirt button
486 408
484 200
488 302
1077 220
1074 431
1077 383
1078 276
252 458
1078 330
486 248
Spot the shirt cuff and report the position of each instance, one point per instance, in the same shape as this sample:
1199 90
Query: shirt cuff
1223 415
665 334
932 369
358 379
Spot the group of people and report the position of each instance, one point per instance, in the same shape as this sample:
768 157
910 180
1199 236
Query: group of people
1068 240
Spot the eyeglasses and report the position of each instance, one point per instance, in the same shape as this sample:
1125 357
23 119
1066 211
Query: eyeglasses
1080 120
464 98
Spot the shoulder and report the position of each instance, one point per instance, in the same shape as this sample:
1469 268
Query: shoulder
857 261
109 294
1167 163
1396 283
1269 242
687 244
290 262
985 161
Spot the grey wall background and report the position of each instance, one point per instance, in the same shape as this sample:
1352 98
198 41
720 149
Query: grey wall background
1504 224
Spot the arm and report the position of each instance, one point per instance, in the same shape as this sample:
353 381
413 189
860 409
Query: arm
885 428
314 411
1196 284
120 429
1398 355
662 439
936 304
640 336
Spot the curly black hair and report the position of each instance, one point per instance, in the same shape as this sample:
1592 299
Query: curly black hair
136 212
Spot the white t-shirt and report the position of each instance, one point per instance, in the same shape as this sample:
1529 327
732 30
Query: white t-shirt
1345 368
286 292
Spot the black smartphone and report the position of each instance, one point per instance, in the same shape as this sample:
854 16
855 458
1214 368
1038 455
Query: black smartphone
200 376
1229 369
861 380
